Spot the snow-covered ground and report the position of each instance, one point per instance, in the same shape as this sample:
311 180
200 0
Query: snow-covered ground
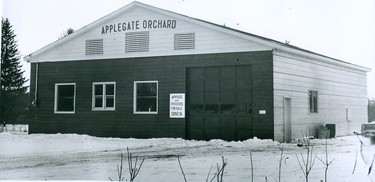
82 157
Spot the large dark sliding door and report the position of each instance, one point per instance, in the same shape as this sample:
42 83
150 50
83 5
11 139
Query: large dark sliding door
219 103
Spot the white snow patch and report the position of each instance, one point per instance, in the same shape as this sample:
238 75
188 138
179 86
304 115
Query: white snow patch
83 157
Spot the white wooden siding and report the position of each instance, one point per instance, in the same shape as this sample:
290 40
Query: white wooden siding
338 88
161 40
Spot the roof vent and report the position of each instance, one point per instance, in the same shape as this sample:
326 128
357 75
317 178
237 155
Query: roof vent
137 41
94 46
184 41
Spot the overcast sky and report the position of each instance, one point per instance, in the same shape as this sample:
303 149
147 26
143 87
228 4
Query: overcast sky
342 29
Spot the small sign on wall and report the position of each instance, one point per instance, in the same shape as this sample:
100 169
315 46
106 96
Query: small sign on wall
262 112
177 105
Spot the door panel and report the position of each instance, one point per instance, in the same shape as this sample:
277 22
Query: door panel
287 120
213 122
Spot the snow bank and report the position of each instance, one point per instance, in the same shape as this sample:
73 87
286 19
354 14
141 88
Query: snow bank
14 128
13 144
83 157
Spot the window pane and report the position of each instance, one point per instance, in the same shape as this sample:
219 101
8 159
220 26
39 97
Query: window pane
315 103
110 102
65 104
227 109
146 97
310 102
146 104
146 89
65 90
65 98
98 89
110 89
196 109
244 109
212 108
98 102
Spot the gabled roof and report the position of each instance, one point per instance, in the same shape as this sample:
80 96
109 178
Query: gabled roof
276 45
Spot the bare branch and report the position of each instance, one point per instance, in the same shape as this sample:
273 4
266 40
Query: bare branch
220 170
307 162
282 158
133 169
355 163
208 174
179 163
251 166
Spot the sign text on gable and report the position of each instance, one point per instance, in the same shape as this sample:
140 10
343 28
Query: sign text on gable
136 25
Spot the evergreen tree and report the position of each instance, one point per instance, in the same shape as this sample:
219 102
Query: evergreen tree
13 91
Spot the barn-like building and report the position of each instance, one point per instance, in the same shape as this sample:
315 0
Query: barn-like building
145 72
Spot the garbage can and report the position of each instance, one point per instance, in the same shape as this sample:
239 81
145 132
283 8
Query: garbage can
332 129
323 132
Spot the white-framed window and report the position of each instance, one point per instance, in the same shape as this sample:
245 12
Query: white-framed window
103 96
65 98
145 97
313 101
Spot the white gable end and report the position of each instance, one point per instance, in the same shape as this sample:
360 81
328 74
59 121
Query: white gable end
149 33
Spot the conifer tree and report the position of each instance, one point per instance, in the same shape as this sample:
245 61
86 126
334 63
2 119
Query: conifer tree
13 91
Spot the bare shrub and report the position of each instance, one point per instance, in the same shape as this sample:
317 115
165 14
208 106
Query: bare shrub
306 162
134 167
326 162
220 170
282 158
119 170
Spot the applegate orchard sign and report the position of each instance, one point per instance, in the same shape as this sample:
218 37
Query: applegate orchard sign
138 25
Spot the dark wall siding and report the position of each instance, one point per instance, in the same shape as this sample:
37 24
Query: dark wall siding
169 71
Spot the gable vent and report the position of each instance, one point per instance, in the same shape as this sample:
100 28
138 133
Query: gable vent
184 41
94 46
137 41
